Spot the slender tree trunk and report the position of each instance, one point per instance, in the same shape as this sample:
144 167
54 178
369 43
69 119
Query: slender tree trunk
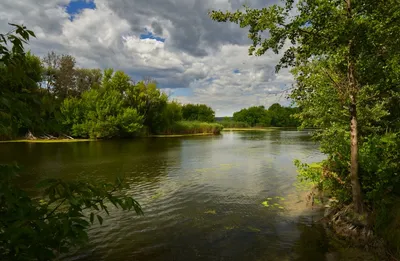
355 182
353 91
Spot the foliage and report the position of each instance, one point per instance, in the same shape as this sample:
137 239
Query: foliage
149 102
198 112
253 116
104 112
19 92
16 37
33 229
193 127
53 96
346 61
234 124
275 115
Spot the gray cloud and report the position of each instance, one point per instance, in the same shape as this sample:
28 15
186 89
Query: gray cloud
198 53
157 29
187 21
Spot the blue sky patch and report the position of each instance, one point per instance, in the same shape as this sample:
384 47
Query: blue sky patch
182 92
75 7
150 35
236 71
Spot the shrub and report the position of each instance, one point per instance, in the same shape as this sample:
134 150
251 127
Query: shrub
193 127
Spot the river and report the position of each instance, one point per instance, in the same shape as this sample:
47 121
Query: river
202 196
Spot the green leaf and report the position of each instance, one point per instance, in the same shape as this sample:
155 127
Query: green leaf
100 219
31 33
91 217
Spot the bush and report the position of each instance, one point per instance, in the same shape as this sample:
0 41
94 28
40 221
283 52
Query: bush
193 127
41 229
235 124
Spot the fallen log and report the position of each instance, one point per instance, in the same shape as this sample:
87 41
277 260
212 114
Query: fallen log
69 137
30 136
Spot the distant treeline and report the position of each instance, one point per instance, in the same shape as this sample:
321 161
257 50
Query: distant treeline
53 97
257 116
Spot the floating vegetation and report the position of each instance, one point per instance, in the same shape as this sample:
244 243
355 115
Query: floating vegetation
226 166
269 203
157 195
253 229
211 211
229 227
265 203
203 170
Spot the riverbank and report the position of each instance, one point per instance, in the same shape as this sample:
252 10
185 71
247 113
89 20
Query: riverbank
191 128
45 140
181 135
258 129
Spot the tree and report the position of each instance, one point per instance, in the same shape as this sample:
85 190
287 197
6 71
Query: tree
276 116
149 102
87 79
14 80
65 82
198 112
254 116
51 64
353 34
104 112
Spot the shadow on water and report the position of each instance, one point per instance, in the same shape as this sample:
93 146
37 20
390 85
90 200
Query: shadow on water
202 196
102 160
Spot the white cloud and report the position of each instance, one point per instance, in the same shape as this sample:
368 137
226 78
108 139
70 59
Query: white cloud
198 53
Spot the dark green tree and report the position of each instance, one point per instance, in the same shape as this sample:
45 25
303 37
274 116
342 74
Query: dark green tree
198 112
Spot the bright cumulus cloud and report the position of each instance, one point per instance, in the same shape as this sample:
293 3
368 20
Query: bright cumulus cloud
193 58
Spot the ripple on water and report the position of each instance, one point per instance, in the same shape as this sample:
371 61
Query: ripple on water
202 197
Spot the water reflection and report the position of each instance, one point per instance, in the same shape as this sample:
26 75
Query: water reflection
201 195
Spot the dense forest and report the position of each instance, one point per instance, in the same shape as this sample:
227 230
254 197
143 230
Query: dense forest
257 116
345 57
56 98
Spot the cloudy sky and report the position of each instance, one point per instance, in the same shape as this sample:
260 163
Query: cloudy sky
193 58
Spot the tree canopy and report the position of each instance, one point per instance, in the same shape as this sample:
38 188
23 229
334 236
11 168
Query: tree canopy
52 96
198 112
359 40
275 116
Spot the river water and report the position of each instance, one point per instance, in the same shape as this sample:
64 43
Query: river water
202 196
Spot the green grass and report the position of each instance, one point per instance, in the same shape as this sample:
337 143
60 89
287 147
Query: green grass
191 128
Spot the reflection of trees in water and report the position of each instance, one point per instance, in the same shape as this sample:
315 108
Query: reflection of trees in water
312 243
101 160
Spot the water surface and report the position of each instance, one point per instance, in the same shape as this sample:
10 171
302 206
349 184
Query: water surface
202 196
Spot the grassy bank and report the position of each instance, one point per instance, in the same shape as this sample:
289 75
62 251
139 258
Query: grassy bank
234 124
45 141
180 135
255 129
192 127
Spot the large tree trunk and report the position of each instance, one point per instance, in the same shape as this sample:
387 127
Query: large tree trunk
353 91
